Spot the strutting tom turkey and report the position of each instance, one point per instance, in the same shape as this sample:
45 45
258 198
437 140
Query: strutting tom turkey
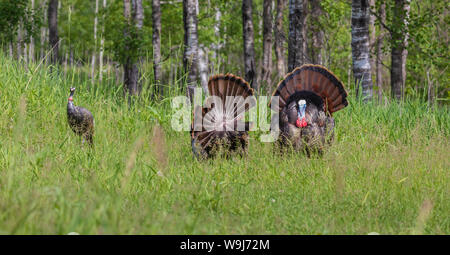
218 127
80 120
308 96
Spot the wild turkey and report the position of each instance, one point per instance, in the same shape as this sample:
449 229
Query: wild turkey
80 120
308 96
218 127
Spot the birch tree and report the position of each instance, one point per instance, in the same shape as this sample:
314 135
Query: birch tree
190 57
44 31
360 48
379 58
203 68
372 37
249 44
19 42
102 47
31 45
134 16
156 41
267 43
280 38
95 42
216 46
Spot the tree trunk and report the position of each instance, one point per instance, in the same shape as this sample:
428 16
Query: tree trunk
317 32
19 42
249 45
280 38
216 46
95 43
31 46
372 38
102 47
11 52
360 48
296 34
156 40
396 73
398 50
430 89
406 9
379 59
52 17
267 44
203 69
190 58
134 14
303 20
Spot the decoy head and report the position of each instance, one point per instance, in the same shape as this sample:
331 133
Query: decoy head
72 90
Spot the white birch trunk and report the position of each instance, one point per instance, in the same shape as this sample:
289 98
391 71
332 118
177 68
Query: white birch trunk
19 43
156 41
216 46
372 38
406 8
249 48
203 68
95 43
31 45
267 44
280 38
102 47
379 58
360 48
190 58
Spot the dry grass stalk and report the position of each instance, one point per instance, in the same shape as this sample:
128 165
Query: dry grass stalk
158 146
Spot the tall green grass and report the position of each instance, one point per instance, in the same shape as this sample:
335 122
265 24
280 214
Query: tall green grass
387 171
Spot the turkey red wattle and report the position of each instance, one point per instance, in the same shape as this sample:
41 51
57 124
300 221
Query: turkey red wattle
301 123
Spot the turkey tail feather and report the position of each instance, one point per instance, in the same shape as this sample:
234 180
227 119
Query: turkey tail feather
221 118
316 82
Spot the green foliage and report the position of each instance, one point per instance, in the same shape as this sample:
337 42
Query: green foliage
428 48
337 38
124 40
76 28
14 13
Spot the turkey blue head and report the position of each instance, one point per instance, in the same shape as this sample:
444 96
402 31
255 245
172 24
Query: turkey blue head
72 91
301 116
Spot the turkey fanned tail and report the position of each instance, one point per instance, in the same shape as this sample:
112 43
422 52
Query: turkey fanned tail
218 127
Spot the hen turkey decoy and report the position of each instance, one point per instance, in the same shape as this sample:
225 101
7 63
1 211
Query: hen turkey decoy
218 128
308 96
80 120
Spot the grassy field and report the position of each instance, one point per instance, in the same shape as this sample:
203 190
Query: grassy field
388 170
